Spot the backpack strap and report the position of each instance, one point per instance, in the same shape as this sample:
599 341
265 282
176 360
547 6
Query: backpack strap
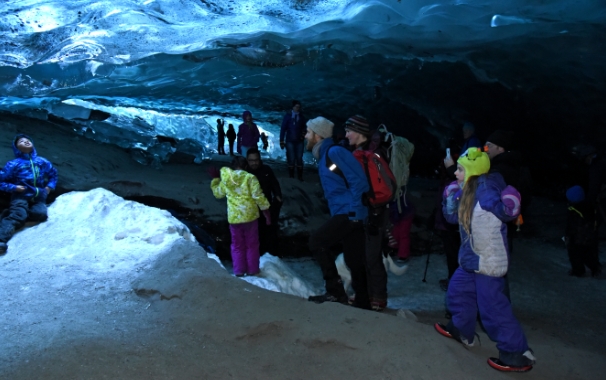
333 167
370 193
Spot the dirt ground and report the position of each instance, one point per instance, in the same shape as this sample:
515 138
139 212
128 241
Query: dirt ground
206 324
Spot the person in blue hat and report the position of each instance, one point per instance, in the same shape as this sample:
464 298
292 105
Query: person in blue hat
581 234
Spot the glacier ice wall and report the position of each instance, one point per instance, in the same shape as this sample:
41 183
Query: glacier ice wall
153 75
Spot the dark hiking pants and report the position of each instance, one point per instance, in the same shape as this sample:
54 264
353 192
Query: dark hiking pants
18 212
339 229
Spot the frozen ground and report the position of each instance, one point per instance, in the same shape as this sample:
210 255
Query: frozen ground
176 314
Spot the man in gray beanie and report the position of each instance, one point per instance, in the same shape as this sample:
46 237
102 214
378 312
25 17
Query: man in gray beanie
344 183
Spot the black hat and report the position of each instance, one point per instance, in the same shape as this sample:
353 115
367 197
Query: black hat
502 138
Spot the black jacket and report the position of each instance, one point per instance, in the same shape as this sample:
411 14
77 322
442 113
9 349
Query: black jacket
268 181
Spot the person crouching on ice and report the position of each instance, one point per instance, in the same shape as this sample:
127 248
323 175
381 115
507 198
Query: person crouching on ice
243 194
29 178
481 204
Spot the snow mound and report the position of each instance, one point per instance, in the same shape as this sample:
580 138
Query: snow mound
101 232
278 277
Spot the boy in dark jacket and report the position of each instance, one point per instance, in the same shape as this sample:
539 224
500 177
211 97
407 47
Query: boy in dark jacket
29 178
581 234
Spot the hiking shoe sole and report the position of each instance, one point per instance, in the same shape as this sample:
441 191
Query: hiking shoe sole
500 366
442 330
328 298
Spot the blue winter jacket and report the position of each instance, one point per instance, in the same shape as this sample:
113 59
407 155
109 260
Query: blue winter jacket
485 250
292 131
341 199
29 170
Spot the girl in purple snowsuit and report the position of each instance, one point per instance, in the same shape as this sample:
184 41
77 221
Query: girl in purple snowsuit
481 204
244 199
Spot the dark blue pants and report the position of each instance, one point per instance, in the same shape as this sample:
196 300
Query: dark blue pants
469 293
294 154
18 212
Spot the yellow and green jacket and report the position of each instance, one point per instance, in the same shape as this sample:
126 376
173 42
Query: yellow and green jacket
243 194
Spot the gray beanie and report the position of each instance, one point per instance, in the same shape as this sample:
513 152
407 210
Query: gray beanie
321 126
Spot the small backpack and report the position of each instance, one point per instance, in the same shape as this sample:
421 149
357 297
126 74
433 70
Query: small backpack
381 181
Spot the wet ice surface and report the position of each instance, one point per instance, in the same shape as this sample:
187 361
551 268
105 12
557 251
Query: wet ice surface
125 72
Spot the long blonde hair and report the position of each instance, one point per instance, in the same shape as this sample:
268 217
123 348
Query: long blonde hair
467 202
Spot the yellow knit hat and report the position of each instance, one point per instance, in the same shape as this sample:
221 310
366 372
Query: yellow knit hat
475 162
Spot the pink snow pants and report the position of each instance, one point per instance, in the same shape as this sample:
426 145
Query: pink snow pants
245 247
401 234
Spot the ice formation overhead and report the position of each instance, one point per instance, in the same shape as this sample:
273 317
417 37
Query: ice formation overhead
126 72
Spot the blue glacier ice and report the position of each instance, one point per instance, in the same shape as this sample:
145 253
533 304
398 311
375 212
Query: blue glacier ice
136 73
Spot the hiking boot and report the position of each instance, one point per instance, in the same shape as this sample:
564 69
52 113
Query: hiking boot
291 172
3 248
378 305
519 362
576 274
513 361
300 173
443 330
329 298
500 366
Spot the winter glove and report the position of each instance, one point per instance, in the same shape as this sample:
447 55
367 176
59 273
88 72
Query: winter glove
451 189
282 145
213 172
512 200
267 216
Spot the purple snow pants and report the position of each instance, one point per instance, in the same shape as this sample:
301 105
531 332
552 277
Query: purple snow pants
470 292
245 247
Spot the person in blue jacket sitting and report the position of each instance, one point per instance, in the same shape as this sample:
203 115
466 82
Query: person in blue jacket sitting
29 179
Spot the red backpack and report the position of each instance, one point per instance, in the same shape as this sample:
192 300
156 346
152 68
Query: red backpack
381 180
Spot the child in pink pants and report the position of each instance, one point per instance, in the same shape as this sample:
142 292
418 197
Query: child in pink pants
244 199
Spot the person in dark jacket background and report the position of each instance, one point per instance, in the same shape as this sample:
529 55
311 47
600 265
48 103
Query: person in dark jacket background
471 140
270 186
511 165
292 134
590 174
231 137
29 178
248 134
581 237
220 136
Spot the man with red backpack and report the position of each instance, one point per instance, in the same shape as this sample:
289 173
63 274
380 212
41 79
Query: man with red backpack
382 189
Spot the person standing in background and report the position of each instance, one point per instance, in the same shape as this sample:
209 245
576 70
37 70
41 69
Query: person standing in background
248 134
231 137
268 233
221 136
292 135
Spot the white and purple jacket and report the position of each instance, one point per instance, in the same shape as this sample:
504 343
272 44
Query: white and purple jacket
485 249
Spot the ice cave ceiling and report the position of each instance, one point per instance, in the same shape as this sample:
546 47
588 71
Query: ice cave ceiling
126 72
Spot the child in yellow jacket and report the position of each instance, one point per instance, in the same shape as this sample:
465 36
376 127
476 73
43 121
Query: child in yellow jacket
244 199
